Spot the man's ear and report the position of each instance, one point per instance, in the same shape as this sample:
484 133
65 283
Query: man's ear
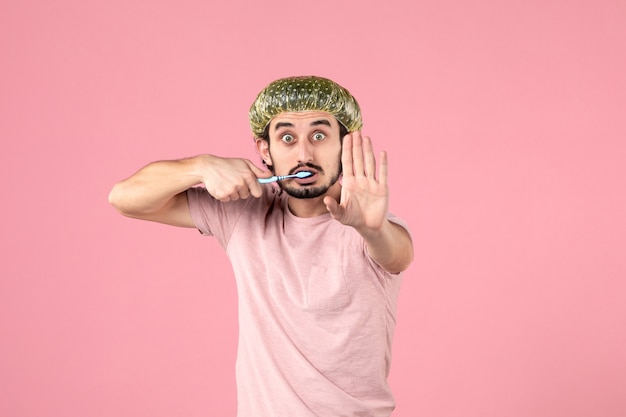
264 150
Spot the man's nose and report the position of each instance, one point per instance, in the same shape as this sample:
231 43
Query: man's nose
305 151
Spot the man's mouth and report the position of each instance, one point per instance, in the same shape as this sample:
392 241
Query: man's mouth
308 180
314 170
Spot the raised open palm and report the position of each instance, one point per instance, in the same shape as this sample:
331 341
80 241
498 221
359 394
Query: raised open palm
364 195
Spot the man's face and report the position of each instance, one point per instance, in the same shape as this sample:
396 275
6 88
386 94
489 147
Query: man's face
304 141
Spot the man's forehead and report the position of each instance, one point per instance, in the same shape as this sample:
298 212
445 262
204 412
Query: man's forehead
300 116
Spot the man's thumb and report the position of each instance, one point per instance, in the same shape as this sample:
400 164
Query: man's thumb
260 173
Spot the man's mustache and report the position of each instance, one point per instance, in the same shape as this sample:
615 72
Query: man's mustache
307 165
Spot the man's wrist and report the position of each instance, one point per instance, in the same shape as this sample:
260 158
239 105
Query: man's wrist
375 234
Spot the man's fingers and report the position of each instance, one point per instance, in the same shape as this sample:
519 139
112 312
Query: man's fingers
383 170
346 156
260 173
255 188
253 185
332 206
370 160
357 154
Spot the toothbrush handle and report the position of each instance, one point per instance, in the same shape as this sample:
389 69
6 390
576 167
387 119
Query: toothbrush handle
267 180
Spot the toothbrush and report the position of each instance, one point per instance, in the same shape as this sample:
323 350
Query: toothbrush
301 174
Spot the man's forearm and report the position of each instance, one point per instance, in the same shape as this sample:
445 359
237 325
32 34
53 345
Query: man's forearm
153 186
391 247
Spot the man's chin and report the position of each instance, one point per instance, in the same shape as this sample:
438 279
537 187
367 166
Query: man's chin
305 192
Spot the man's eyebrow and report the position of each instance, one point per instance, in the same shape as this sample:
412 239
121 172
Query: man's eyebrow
314 123
321 122
282 124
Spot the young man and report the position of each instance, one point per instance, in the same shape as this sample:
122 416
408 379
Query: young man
317 259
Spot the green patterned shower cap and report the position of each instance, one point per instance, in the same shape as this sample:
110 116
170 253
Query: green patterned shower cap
295 94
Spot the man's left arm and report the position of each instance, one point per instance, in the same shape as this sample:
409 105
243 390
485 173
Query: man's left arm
364 204
391 247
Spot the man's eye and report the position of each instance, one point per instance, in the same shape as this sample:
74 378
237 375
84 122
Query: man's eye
319 136
287 138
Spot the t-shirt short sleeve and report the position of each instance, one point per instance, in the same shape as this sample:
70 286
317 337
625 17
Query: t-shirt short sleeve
213 217
400 222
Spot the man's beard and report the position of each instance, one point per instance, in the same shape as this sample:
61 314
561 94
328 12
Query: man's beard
305 191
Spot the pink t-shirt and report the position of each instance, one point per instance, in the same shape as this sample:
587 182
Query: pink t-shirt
316 313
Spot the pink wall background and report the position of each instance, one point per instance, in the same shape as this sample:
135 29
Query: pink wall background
504 122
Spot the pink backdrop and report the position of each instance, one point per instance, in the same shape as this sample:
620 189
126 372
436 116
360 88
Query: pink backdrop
504 122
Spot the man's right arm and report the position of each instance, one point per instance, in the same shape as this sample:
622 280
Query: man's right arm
157 192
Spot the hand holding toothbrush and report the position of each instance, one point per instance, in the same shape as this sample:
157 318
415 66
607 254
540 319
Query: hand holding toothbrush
230 179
